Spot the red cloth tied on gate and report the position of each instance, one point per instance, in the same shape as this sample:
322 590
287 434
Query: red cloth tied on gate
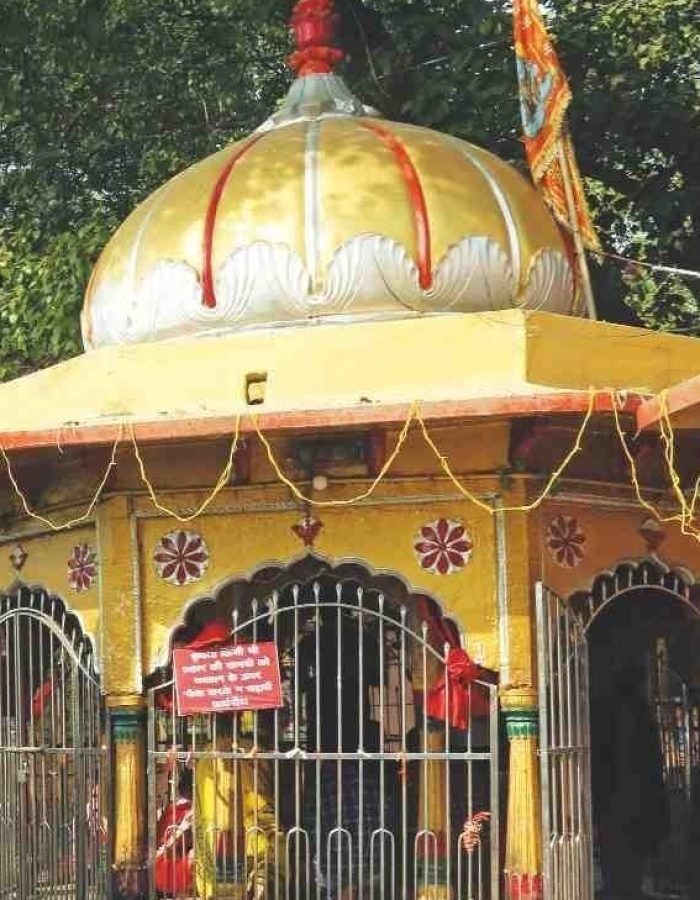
41 696
174 857
463 703
449 700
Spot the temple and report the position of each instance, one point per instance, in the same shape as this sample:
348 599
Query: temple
326 559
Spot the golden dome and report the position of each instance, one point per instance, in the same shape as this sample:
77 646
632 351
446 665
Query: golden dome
327 211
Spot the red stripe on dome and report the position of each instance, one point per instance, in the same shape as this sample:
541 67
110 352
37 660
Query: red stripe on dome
208 293
417 197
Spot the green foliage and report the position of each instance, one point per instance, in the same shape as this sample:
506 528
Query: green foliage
103 100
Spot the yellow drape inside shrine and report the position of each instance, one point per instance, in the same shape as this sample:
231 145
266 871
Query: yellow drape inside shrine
432 800
234 808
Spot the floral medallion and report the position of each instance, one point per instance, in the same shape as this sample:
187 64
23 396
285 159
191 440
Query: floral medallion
82 568
443 546
565 541
181 557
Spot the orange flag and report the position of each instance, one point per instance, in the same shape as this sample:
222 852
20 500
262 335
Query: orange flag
544 98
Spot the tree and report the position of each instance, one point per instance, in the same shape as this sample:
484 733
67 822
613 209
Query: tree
103 100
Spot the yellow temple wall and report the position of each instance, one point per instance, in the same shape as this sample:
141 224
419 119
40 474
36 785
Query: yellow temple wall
611 535
248 527
46 567
379 534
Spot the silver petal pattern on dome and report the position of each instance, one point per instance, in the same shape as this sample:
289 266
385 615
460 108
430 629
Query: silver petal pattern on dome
550 283
262 282
265 284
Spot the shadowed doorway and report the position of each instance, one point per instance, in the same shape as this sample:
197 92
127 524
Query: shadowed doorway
645 737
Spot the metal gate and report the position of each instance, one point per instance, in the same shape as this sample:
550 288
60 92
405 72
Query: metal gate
565 757
52 760
350 789
677 716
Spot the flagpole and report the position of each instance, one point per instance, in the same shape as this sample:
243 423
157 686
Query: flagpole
579 249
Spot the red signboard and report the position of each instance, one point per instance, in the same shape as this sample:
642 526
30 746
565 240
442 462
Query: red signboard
227 679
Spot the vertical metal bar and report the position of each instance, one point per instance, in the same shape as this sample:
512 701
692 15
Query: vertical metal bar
7 847
424 763
85 713
151 771
80 801
557 743
274 608
339 732
572 752
361 742
21 765
404 763
587 783
297 747
5 882
578 756
66 859
55 767
382 774
256 779
470 806
495 825
317 713
542 615
30 848
688 760
236 782
446 764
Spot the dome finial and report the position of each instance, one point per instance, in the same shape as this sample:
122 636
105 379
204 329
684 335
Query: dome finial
313 23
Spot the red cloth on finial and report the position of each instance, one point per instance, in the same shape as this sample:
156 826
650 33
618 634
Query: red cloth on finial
451 694
313 23
213 633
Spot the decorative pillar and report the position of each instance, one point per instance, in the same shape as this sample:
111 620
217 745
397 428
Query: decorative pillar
523 855
129 831
121 628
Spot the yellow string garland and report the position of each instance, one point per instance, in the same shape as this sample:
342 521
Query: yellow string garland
685 517
687 511
221 482
348 501
78 520
527 507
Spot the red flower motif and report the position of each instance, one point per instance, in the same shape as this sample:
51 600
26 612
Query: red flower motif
443 546
307 529
181 557
82 568
565 541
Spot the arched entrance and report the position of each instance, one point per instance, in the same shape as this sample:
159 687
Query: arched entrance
355 787
637 632
52 759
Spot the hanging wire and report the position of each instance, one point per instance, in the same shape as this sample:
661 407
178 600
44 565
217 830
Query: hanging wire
222 481
685 517
78 520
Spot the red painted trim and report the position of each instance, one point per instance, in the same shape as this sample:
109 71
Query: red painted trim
447 411
417 197
208 293
679 398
